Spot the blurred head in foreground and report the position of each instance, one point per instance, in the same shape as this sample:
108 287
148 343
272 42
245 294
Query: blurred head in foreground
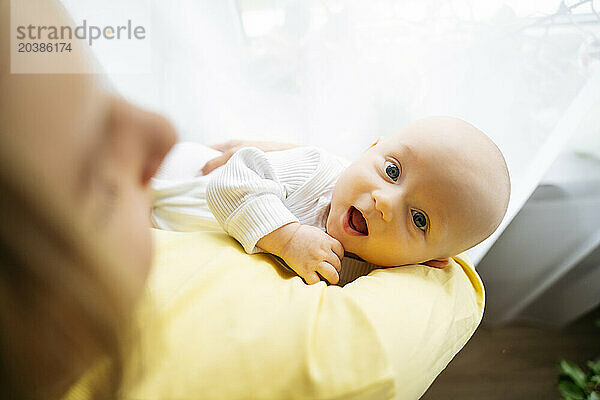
75 247
434 189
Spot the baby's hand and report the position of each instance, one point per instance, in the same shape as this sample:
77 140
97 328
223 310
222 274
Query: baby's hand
310 250
307 250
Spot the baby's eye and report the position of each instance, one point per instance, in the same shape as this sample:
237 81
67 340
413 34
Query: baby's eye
392 170
419 219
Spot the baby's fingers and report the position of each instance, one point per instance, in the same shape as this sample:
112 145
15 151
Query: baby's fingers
333 259
310 278
329 273
337 248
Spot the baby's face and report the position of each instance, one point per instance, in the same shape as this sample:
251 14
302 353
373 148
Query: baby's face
407 199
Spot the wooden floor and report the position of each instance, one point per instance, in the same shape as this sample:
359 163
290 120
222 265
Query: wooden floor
516 362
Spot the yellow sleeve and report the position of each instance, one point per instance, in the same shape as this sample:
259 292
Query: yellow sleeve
221 324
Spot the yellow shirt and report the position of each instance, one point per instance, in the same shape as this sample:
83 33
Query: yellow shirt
226 325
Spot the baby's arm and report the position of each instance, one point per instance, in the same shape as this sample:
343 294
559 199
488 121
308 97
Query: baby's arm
247 198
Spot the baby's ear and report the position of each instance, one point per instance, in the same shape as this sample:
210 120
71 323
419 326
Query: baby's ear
440 263
375 142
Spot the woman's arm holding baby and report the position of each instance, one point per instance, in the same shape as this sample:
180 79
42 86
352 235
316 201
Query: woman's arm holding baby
230 147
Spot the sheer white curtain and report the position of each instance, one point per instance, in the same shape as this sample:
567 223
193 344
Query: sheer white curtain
339 73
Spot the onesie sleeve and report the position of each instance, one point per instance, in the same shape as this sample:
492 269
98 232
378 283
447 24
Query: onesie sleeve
247 196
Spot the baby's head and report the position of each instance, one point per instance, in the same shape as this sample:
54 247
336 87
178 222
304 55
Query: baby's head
429 192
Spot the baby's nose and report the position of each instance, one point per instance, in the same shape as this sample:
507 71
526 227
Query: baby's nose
383 204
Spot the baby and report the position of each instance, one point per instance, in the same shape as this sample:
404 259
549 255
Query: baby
436 188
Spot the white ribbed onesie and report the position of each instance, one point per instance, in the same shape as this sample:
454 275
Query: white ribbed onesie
255 193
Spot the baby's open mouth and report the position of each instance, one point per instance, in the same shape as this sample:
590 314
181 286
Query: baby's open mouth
357 221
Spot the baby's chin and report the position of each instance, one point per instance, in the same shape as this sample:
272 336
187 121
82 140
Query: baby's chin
385 262
362 255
